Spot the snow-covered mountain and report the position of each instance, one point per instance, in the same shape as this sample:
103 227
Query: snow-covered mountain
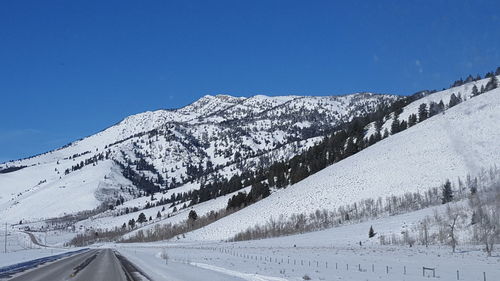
216 136
461 141
454 143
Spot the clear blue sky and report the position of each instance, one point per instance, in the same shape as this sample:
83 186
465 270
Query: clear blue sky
71 68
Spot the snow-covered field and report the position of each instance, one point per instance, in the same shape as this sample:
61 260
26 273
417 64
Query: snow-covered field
270 262
332 254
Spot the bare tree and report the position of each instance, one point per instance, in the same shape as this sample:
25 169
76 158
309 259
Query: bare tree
486 216
487 228
453 215
453 240
424 232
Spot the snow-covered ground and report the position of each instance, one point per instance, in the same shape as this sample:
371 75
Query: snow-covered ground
332 254
20 247
272 262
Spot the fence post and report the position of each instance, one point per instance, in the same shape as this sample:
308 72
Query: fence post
347 265
336 266
405 269
359 267
458 275
484 276
387 269
373 268
326 264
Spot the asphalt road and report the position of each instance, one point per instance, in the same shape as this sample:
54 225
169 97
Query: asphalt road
33 239
94 265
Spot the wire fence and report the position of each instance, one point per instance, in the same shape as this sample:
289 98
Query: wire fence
369 268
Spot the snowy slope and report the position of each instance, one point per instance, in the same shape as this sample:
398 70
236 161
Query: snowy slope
81 190
461 141
464 91
232 134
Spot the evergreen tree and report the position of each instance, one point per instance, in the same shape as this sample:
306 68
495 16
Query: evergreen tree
447 192
396 126
371 233
473 186
492 84
422 112
473 190
434 109
441 106
350 149
412 120
192 215
237 201
378 125
403 125
469 79
386 133
142 218
475 91
131 223
454 100
258 192
158 215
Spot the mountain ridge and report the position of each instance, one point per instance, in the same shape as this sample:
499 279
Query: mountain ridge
208 139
